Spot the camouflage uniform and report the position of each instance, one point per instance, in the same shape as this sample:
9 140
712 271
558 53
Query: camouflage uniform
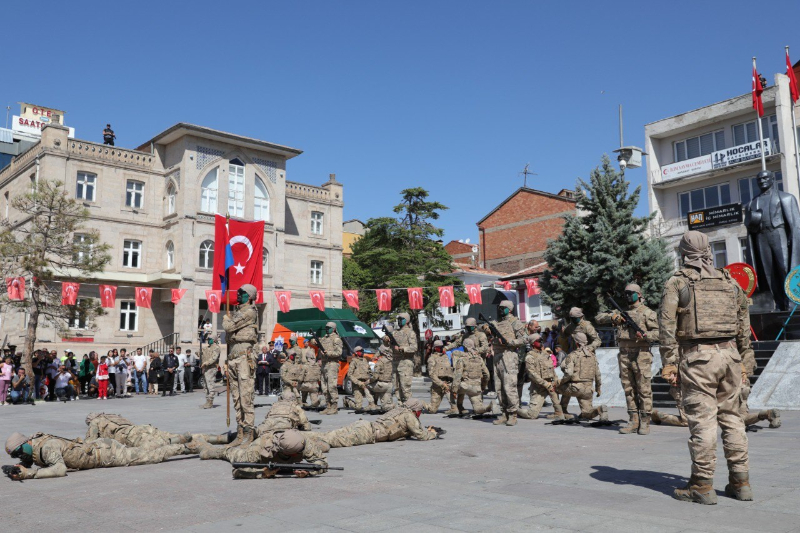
332 345
399 423
359 375
580 370
635 361
403 360
539 368
585 327
209 359
242 333
312 373
506 366
292 373
748 369
470 377
660 417
481 346
381 383
441 374
144 436
284 414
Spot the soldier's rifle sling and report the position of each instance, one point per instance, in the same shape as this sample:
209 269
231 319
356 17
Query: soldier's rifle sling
493 329
286 466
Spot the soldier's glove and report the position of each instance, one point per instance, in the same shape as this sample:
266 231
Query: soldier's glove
598 392
617 319
669 373
302 473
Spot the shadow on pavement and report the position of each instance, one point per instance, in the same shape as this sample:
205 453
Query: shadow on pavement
657 481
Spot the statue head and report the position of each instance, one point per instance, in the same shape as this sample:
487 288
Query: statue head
765 180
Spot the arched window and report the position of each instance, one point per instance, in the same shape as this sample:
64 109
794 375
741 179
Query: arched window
207 254
170 255
208 196
236 188
261 202
265 261
172 197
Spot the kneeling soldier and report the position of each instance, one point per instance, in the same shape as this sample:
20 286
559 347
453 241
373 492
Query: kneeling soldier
284 414
470 378
580 370
359 376
441 373
539 367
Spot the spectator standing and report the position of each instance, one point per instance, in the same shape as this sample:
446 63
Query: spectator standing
85 373
39 365
6 373
263 366
20 387
189 371
51 372
63 387
156 372
121 384
108 135
102 379
207 329
170 364
111 360
139 371
179 370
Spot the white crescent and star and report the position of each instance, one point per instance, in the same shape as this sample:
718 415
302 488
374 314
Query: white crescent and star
107 293
241 239
142 294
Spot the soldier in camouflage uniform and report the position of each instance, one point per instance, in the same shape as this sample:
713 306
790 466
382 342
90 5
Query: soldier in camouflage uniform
470 378
209 360
290 446
543 379
403 357
56 455
380 385
359 375
635 359
471 331
441 373
145 436
400 423
330 353
577 324
773 415
284 414
580 370
506 362
292 371
704 336
312 373
241 331
660 417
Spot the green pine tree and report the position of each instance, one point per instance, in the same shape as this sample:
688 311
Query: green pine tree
604 250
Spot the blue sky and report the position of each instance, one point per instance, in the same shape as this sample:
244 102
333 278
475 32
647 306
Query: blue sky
453 96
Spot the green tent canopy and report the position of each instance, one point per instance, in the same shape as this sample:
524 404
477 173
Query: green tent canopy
312 319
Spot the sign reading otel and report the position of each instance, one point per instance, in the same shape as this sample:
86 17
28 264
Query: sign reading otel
715 216
716 160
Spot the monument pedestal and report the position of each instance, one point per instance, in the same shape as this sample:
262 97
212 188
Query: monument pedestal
768 325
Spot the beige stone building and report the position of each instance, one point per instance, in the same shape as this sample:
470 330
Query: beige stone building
155 206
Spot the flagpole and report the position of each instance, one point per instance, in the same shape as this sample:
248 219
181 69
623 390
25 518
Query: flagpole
760 133
794 123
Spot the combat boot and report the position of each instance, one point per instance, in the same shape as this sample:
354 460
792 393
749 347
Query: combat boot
698 490
774 417
512 419
655 417
452 411
239 436
209 404
739 486
644 423
603 411
248 436
502 420
211 452
213 439
633 423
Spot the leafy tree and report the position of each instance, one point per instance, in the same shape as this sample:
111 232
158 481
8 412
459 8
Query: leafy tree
40 246
604 249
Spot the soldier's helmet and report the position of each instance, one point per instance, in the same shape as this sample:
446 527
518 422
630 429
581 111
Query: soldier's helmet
414 404
91 416
437 343
507 303
15 441
633 287
533 338
288 396
580 338
469 345
471 322
406 316
576 312
291 442
250 290
358 350
331 325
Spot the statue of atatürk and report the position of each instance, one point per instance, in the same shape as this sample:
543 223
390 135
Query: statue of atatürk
773 222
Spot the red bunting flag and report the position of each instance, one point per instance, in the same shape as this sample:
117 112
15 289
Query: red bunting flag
446 296
214 300
177 294
318 299
532 285
793 89
474 293
15 288
284 300
259 297
351 297
69 293
384 299
758 105
144 295
415 297
506 285
108 295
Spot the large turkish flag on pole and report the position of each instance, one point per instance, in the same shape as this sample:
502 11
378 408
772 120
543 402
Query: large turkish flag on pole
238 251
69 293
758 105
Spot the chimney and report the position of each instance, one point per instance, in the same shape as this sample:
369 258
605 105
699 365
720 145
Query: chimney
331 177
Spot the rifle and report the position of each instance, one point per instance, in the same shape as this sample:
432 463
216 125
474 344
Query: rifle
319 343
228 395
11 471
492 328
287 466
391 337
625 316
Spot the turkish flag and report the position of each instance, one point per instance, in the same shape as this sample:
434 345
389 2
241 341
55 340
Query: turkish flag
506 285
532 285
384 299
415 297
474 293
284 300
15 288
446 296
758 105
260 297
793 89
69 293
318 299
214 300
351 297
238 252
177 294
108 295
144 296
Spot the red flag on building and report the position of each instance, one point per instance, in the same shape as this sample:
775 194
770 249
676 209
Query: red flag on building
415 297
384 299
214 300
758 105
318 299
177 294
284 300
15 288
506 285
446 296
144 295
351 297
793 89
532 285
238 254
69 292
108 295
474 293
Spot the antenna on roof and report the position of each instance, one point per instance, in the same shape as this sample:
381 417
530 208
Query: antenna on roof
527 172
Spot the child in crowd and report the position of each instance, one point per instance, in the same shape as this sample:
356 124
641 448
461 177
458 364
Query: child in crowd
102 379
6 373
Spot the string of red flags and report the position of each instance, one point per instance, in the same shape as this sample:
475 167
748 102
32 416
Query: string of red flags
351 297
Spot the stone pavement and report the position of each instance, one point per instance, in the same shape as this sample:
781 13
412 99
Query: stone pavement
478 478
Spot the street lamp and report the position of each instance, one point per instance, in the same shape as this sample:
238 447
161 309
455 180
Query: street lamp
629 156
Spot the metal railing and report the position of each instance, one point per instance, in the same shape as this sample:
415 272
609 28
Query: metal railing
162 345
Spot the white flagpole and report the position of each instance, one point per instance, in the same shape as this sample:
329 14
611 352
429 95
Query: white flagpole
760 133
794 126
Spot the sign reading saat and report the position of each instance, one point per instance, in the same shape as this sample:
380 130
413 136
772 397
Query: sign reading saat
715 216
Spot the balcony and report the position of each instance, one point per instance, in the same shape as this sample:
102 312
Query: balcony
103 152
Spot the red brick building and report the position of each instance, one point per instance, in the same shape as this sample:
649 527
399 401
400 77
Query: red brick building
513 236
462 253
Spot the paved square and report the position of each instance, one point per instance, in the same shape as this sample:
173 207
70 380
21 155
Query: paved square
478 478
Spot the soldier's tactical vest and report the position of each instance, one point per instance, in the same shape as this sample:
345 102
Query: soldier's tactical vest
210 355
586 364
638 314
507 328
383 370
111 424
248 333
472 368
388 426
443 369
708 309
312 372
292 372
329 345
360 370
284 409
541 365
39 439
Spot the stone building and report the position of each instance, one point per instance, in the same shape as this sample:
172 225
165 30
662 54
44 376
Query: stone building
155 206
462 252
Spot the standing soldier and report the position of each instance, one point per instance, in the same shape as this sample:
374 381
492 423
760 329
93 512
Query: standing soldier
241 331
506 362
635 359
209 359
704 337
441 373
292 371
471 331
580 370
539 367
577 323
470 378
331 350
359 376
403 357
381 383
311 376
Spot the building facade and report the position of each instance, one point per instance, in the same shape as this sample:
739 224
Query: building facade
352 231
462 252
155 206
701 168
